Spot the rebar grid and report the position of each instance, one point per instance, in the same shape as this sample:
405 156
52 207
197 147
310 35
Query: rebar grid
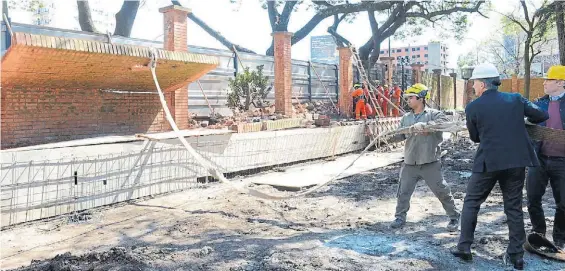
40 189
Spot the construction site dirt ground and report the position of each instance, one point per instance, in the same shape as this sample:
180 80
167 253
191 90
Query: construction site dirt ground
344 226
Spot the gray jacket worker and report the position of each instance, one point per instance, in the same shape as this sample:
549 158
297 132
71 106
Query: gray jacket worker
422 158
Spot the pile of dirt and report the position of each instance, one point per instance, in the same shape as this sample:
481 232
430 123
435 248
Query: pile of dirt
117 258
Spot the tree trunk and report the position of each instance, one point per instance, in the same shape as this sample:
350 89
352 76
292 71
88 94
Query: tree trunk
125 18
527 66
560 11
84 17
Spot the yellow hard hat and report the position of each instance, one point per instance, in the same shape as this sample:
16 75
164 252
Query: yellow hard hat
556 72
418 90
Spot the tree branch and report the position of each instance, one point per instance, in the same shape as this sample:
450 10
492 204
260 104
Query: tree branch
223 40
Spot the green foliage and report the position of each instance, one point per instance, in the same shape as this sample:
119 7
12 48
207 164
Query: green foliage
248 88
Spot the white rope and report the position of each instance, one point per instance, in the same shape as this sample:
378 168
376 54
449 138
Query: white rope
214 171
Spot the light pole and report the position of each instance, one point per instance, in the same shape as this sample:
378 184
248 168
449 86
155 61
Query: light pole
403 61
466 73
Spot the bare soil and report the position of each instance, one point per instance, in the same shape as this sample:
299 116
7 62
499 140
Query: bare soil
342 227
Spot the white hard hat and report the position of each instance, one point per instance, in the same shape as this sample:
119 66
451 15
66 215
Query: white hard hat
485 70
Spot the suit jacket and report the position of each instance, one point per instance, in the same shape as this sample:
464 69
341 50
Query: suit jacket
496 121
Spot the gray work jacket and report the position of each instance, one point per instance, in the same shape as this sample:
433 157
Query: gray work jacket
419 148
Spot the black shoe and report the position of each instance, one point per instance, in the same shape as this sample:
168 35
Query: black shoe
453 225
463 255
514 259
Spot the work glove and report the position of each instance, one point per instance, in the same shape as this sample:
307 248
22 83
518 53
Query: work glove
419 127
527 122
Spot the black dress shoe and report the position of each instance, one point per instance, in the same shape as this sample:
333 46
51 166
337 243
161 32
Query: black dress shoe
515 260
463 255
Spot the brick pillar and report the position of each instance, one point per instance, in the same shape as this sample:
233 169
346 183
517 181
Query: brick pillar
283 73
437 73
345 82
389 61
454 78
469 92
417 73
175 29
514 88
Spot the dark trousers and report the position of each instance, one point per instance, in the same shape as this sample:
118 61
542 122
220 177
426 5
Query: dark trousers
511 182
552 170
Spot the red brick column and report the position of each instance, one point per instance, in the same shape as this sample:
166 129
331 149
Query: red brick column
345 82
283 73
417 73
175 29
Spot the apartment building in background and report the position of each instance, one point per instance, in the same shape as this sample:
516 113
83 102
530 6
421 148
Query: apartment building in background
433 55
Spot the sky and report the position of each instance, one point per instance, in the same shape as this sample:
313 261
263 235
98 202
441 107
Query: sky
246 23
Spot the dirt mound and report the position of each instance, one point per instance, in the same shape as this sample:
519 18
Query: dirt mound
117 258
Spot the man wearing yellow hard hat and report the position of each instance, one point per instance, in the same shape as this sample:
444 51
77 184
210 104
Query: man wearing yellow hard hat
551 156
422 157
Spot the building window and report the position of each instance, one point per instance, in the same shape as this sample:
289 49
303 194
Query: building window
418 49
426 48
413 49
382 52
398 50
426 55
406 50
426 62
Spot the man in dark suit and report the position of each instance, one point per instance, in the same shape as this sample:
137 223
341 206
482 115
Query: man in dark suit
496 121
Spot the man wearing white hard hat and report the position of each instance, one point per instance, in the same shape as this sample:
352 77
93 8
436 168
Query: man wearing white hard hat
496 121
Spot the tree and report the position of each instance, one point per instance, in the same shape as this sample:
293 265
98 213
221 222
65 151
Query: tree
560 23
468 59
124 18
536 24
504 48
84 16
248 88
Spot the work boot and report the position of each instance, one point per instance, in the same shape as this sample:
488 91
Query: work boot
463 255
516 260
397 223
453 225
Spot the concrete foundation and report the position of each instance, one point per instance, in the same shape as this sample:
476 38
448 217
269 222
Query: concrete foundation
61 178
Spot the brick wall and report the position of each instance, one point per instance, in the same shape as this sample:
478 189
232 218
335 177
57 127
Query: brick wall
35 116
517 85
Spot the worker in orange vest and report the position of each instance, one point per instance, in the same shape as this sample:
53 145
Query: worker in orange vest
384 103
368 108
396 95
359 101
